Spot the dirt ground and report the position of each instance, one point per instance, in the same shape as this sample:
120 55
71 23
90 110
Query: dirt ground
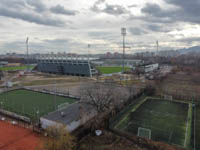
65 84
17 138
181 84
111 141
107 141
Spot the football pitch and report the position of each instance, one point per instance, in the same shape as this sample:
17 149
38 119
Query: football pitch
109 70
16 68
166 120
30 103
197 128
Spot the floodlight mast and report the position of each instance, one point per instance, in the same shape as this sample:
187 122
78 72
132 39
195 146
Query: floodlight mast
88 51
27 52
157 44
123 32
157 47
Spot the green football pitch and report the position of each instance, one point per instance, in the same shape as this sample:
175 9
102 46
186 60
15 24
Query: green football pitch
197 138
109 70
16 68
167 120
30 103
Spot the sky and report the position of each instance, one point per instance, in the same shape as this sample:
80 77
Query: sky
70 25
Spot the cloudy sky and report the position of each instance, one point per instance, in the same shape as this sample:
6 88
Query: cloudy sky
70 25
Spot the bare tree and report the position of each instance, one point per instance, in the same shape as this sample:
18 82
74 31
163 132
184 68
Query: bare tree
58 139
103 96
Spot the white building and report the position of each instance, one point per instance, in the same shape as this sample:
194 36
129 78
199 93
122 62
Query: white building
147 68
73 116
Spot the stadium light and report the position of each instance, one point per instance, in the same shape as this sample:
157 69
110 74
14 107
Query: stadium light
123 32
157 44
27 52
88 51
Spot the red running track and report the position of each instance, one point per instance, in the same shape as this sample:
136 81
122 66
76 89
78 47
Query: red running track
17 138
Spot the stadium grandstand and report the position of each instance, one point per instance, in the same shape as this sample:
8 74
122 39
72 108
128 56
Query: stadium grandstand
65 65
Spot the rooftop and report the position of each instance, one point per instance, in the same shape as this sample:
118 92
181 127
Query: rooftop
72 113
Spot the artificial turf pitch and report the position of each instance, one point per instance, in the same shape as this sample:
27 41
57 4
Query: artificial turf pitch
15 68
109 70
197 139
27 103
167 121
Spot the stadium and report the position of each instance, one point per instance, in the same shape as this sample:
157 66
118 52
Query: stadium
67 66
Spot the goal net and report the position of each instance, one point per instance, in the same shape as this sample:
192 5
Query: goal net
62 106
145 133
168 97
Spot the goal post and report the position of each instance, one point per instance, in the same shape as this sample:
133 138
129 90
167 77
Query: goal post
62 106
145 133
168 97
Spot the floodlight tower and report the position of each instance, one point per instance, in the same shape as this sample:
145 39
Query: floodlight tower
123 32
88 51
157 47
157 44
27 52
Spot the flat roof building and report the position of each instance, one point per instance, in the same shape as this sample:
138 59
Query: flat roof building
73 116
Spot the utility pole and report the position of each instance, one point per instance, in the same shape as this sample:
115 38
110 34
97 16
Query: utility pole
27 53
88 51
123 32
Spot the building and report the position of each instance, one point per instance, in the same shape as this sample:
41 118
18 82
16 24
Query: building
67 66
146 68
119 62
73 116
3 63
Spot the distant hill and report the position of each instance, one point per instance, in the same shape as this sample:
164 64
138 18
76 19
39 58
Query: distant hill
195 49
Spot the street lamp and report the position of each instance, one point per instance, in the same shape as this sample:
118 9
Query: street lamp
123 32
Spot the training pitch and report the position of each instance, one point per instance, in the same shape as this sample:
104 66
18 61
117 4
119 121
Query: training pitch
16 68
110 70
197 139
166 120
31 104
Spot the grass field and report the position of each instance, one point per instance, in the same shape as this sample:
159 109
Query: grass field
15 68
27 103
109 70
167 120
198 127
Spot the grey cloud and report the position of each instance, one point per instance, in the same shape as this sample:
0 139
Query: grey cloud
30 11
189 40
185 11
99 2
56 41
131 6
37 4
115 10
102 35
153 10
137 31
98 34
58 9
30 17
158 28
